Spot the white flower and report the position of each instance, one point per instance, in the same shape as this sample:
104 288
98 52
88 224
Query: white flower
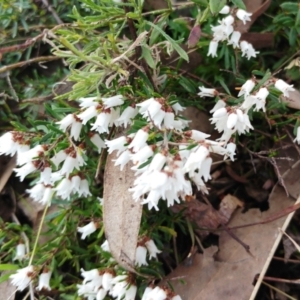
198 135
88 101
92 276
27 156
45 176
22 278
107 281
177 297
143 106
88 114
157 293
44 281
127 115
298 135
113 101
157 162
97 141
234 39
20 252
37 191
7 144
177 107
64 189
212 50
206 92
247 87
101 294
73 160
87 229
139 140
105 246
25 170
152 249
121 288
151 109
225 10
243 15
248 50
59 157
73 121
195 160
48 192
205 169
284 87
147 291
102 122
116 144
123 159
232 120
140 256
230 148
87 290
219 104
142 155
84 188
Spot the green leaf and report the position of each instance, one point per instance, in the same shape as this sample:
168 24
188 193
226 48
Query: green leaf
201 2
297 23
146 54
176 47
168 230
7 267
187 85
239 4
216 5
4 277
291 7
293 36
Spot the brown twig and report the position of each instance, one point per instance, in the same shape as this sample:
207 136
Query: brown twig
53 12
27 62
138 49
23 46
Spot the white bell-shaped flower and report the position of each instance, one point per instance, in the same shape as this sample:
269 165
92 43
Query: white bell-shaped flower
234 39
248 50
44 281
112 101
87 229
22 278
140 256
243 15
212 50
20 252
207 92
284 87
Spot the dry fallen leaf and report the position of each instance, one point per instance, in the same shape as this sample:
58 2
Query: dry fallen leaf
7 164
200 214
227 278
121 215
293 100
257 8
7 290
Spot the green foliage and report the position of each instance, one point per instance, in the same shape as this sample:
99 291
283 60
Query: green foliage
111 48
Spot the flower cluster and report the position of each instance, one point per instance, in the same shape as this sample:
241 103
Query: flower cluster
24 277
225 32
165 169
235 119
99 283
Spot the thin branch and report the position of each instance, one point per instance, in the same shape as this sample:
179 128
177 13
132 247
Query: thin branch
53 12
138 49
28 62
